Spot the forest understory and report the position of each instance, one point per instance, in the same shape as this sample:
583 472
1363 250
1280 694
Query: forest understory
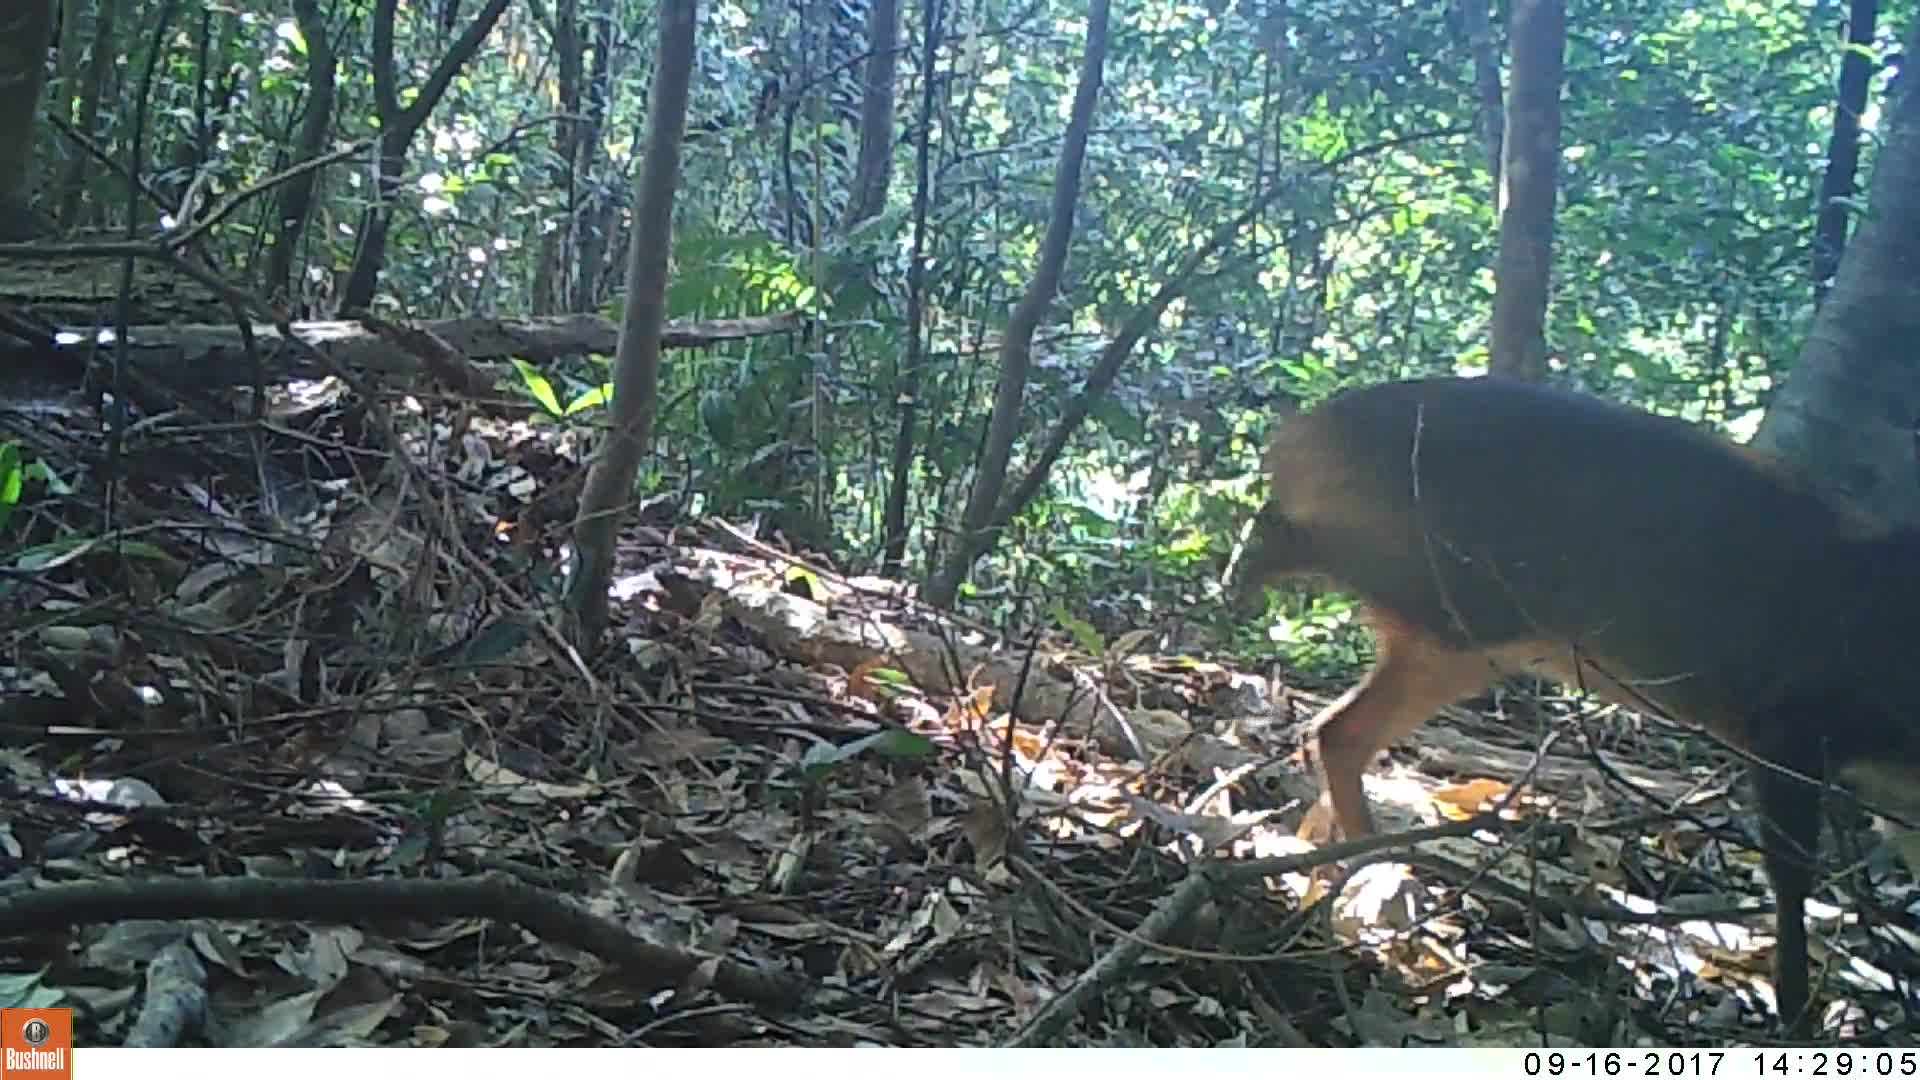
785 807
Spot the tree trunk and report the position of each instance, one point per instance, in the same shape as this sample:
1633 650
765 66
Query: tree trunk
397 129
1141 321
1850 408
99 65
66 63
873 165
1486 81
595 218
296 196
556 243
873 170
893 523
1016 349
1843 148
1529 174
636 376
25 34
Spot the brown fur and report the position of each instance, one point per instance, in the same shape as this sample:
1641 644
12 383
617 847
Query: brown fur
1494 528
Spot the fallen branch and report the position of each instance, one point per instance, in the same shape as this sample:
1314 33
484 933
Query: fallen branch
216 355
359 902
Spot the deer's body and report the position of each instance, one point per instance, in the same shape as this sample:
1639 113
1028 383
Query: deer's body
1493 528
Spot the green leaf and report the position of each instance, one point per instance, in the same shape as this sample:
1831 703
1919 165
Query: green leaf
538 387
55 552
41 471
1081 630
12 476
593 398
896 744
816 590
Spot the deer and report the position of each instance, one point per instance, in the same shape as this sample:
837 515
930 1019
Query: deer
1493 528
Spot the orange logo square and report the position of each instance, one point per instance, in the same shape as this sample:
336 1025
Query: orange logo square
36 1044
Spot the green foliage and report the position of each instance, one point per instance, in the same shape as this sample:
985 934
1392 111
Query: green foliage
1082 631
541 389
724 274
57 552
1693 139
816 589
538 387
13 475
894 744
1321 634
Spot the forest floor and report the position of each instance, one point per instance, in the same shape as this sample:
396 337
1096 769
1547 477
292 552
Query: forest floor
783 807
